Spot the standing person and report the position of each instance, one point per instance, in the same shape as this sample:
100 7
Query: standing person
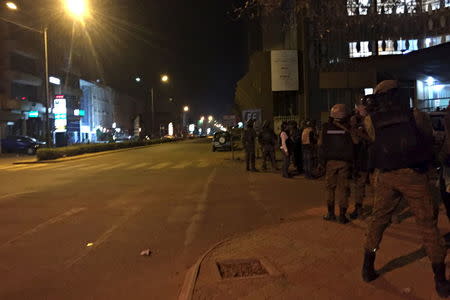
296 137
401 153
336 154
267 139
308 143
286 149
360 167
249 143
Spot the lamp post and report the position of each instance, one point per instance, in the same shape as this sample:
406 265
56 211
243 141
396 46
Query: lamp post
78 9
164 79
185 111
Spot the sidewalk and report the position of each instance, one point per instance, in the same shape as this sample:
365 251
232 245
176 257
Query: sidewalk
314 259
308 258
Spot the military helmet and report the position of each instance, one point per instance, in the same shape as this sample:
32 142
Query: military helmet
339 111
386 86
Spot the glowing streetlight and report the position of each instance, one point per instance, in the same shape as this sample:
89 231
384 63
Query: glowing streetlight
138 79
11 5
186 108
165 78
78 8
202 119
210 118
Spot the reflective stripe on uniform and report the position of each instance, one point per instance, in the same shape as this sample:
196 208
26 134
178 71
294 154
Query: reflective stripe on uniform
335 131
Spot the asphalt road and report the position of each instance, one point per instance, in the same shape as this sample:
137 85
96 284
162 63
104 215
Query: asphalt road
75 230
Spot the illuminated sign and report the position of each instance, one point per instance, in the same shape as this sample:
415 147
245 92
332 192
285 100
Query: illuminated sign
54 80
33 114
79 112
10 123
170 129
60 112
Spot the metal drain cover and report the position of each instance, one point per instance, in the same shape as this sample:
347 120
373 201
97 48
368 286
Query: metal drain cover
239 268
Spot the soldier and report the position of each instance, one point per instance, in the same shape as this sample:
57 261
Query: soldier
360 166
336 154
248 141
400 153
296 137
267 139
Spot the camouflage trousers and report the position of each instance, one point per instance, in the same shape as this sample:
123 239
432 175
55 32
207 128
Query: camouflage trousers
337 175
358 187
414 188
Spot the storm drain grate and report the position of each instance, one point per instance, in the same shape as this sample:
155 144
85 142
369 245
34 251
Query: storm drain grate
240 268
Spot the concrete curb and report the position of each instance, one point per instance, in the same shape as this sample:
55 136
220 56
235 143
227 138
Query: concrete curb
79 157
190 279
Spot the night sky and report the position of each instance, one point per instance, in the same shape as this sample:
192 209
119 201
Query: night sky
200 46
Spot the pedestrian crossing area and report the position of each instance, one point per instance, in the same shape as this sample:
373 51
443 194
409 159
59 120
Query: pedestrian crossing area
108 166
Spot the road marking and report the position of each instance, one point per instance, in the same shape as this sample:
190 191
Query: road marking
182 165
4 197
41 226
160 166
95 166
203 164
103 238
138 166
200 211
115 166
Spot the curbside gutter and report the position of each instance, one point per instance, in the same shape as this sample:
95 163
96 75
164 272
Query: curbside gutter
82 156
190 279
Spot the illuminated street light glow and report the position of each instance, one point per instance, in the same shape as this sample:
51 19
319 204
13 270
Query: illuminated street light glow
202 119
164 78
11 5
430 80
77 8
186 108
210 118
138 79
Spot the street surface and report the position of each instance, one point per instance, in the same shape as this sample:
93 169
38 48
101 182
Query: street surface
75 230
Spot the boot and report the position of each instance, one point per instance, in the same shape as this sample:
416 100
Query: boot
330 216
357 212
342 216
442 285
368 270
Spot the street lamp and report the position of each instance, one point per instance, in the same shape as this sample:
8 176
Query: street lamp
11 5
186 108
210 118
202 119
165 78
78 9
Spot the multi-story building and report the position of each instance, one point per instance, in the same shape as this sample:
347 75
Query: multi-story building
344 48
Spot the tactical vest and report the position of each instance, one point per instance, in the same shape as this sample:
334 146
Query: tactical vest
398 142
337 143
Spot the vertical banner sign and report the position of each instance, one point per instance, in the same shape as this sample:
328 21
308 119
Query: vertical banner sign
229 121
285 75
60 112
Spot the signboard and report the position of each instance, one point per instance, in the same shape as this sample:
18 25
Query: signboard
285 75
229 121
252 114
60 112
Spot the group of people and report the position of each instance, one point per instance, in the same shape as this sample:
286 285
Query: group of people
298 146
385 144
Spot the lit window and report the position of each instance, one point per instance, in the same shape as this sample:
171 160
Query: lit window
363 49
433 41
429 5
427 42
397 6
447 37
355 7
388 48
447 3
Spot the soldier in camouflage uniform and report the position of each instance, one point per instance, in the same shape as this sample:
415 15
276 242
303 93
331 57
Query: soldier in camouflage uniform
401 152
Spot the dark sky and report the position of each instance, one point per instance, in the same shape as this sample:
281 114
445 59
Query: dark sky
196 42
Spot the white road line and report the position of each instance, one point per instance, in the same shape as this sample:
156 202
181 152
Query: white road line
12 195
138 166
182 165
103 238
196 219
160 166
41 226
203 164
115 166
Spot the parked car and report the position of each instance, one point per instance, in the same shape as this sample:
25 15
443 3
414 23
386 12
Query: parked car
221 141
21 144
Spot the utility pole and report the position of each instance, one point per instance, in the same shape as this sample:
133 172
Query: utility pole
47 90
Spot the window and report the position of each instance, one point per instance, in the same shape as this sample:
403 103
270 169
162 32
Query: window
396 6
429 5
359 49
388 47
358 7
24 92
433 41
447 3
